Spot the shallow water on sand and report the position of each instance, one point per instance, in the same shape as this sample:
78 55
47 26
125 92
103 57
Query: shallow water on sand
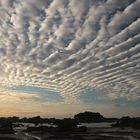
100 131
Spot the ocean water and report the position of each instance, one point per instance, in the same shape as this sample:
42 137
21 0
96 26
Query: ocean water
102 124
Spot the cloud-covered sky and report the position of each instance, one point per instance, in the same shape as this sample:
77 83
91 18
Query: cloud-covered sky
52 52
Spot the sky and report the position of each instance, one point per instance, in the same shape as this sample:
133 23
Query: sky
62 57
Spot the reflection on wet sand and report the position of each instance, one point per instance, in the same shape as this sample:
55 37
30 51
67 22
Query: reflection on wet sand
98 133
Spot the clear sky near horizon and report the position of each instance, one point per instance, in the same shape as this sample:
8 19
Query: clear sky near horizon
61 57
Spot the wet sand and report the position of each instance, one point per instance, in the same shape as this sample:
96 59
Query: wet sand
93 133
19 136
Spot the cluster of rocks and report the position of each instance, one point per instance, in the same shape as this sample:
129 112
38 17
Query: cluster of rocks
128 122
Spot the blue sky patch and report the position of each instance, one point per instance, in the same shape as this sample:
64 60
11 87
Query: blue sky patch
92 96
47 95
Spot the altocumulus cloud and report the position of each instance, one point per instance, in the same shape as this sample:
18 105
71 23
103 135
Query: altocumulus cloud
10 97
67 45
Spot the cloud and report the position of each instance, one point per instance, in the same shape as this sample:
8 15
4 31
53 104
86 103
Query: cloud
65 46
9 96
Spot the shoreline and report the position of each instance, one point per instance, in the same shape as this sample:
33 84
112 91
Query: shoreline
100 131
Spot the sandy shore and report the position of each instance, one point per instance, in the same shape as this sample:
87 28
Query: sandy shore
18 136
93 133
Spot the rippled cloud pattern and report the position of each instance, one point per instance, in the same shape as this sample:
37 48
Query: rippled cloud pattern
69 45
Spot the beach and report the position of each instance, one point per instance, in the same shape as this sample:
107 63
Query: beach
95 131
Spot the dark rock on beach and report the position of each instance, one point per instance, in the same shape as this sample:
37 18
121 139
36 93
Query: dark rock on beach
128 122
6 126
